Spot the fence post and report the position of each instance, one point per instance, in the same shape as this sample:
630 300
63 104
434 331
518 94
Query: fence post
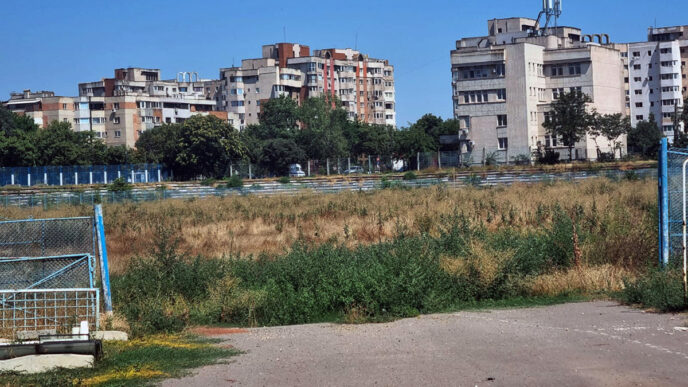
483 162
146 173
249 170
663 203
12 178
102 251
28 179
105 175
60 176
90 177
309 168
348 163
370 165
160 173
328 166
439 160
231 170
133 176
417 161
45 177
76 177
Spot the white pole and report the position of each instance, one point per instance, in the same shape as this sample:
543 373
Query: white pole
146 174
76 177
90 177
60 178
133 176
12 179
28 179
159 175
45 178
105 176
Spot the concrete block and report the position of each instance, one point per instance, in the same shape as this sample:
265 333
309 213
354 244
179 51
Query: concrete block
33 335
42 363
111 336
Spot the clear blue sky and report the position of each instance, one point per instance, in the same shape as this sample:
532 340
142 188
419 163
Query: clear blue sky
54 45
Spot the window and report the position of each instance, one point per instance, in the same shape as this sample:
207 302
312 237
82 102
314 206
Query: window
639 117
557 92
626 80
503 142
574 69
118 134
557 71
636 54
115 105
501 120
637 79
638 92
501 94
665 50
115 120
636 67
64 106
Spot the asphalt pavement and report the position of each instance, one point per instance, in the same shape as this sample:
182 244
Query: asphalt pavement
579 344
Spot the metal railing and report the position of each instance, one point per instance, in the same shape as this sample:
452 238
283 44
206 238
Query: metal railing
47 309
47 237
81 174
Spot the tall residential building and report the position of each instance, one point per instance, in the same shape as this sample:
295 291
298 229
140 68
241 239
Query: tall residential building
364 85
655 83
504 84
136 99
680 35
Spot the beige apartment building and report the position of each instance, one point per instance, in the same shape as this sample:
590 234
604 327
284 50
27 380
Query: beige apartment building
504 84
364 85
42 106
136 100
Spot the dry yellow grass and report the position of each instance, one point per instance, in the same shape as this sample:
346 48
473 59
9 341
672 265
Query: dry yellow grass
251 224
587 280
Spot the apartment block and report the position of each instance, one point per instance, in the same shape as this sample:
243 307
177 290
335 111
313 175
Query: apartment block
504 83
680 35
364 85
655 83
42 106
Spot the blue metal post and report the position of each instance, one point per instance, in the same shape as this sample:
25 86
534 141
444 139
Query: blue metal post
663 203
102 250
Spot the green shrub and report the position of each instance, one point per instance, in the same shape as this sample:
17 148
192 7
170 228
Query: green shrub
208 182
659 289
235 182
284 180
119 185
410 175
550 157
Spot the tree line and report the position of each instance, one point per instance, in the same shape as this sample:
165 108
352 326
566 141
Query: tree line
571 121
287 133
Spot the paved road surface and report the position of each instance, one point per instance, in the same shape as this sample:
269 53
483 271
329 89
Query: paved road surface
583 344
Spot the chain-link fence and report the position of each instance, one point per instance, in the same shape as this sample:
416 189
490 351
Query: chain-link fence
82 174
47 237
60 272
672 193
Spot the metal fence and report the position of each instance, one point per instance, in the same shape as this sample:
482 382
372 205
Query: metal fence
47 274
47 237
672 193
77 174
47 309
59 272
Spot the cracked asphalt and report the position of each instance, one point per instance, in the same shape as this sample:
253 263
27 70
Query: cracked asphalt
580 344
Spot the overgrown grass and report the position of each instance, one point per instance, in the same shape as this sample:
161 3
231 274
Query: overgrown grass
459 264
659 289
132 363
620 215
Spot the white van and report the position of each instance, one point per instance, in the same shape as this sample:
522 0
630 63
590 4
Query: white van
295 170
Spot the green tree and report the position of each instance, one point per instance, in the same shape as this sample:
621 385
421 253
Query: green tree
569 119
278 117
644 138
277 154
207 145
160 145
432 125
322 133
611 127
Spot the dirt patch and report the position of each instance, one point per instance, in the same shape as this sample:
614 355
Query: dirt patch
217 331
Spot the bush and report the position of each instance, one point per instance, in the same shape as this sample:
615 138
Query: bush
235 182
284 180
119 185
550 157
606 157
208 182
523 159
410 176
659 289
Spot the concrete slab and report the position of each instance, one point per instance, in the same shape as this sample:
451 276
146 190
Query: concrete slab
42 363
33 335
110 336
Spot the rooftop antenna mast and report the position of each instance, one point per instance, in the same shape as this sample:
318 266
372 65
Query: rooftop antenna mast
550 9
